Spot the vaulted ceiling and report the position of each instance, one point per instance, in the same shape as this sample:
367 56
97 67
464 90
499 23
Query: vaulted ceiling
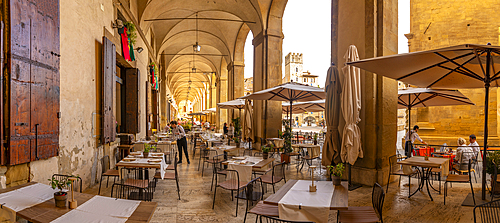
219 26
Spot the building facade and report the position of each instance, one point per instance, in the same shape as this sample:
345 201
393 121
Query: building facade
294 72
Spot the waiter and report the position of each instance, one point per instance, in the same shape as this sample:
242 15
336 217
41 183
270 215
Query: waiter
180 136
410 137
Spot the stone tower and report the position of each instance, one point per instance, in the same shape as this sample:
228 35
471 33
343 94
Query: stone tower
293 67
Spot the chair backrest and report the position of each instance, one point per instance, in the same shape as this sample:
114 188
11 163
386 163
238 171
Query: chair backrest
269 219
77 186
247 152
123 191
252 191
393 163
233 179
378 197
257 154
105 163
117 157
279 170
489 212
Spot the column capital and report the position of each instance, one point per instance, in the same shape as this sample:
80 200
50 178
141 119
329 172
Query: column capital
235 64
261 36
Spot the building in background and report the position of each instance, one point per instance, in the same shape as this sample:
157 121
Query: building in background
294 71
248 85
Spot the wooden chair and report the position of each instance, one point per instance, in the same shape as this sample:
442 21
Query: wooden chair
138 177
106 172
122 191
489 212
232 184
277 175
396 169
78 183
170 176
253 193
269 219
365 214
461 168
454 178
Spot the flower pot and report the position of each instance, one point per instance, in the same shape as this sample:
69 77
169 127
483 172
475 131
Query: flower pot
336 180
285 157
145 154
265 155
60 199
315 142
238 145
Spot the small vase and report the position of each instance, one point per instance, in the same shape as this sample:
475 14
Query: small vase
145 154
265 155
60 199
238 145
336 180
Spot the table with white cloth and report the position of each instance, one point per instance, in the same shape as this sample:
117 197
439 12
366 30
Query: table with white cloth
246 164
313 151
141 162
295 202
35 202
426 167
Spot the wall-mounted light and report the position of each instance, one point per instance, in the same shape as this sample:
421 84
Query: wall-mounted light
139 49
196 47
193 69
118 24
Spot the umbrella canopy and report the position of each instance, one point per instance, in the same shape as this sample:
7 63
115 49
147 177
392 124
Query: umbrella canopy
331 147
210 110
462 66
425 97
234 104
196 113
285 108
247 128
351 107
308 106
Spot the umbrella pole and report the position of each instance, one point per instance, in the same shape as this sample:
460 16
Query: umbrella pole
486 101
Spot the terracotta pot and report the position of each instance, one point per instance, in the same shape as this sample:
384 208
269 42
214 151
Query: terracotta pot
336 180
60 199
238 145
265 155
315 142
145 154
285 158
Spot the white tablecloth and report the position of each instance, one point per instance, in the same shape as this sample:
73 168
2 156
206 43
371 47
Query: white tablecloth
299 204
109 206
77 216
244 170
163 165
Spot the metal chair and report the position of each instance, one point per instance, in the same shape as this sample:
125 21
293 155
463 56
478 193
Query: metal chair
170 176
489 212
365 214
454 178
122 191
232 184
277 174
78 183
138 177
462 167
494 181
210 153
253 194
106 172
217 160
269 219
203 156
396 169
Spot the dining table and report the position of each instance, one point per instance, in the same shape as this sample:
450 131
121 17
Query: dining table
34 202
295 202
244 165
137 160
426 165
312 150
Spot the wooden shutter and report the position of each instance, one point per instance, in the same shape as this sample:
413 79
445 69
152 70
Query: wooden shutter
149 132
108 92
155 110
34 80
130 103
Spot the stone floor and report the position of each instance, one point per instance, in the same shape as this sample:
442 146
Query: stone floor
196 200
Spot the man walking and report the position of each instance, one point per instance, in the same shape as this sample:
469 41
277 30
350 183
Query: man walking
410 138
180 135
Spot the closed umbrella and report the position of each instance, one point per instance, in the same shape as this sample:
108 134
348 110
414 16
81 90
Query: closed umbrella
331 146
425 97
462 66
247 128
351 107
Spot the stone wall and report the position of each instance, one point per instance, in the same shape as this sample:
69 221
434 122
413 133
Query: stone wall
437 24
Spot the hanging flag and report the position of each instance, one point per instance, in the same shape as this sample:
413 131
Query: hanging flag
154 76
125 46
131 50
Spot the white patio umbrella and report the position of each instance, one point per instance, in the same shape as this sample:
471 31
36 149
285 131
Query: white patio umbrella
426 97
351 107
247 124
234 104
307 106
290 92
462 66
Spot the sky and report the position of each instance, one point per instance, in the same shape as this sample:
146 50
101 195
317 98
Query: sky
307 27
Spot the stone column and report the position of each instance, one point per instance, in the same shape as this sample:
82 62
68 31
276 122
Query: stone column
371 25
236 82
267 73
222 91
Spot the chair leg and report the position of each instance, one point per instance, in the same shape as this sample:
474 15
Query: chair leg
409 185
100 186
273 188
237 191
399 184
215 192
213 175
472 190
388 180
445 191
202 168
107 182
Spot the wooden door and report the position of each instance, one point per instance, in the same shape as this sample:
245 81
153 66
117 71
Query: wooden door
149 132
108 90
33 92
130 103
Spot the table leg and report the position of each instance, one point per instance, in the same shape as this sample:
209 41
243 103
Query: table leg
420 185
427 181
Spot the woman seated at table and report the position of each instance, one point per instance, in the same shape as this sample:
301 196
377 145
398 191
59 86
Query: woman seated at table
461 156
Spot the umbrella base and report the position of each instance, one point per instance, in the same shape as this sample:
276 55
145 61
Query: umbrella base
470 203
354 186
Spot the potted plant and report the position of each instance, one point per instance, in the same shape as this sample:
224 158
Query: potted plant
287 144
147 148
237 127
60 196
265 151
493 156
237 141
315 138
336 173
